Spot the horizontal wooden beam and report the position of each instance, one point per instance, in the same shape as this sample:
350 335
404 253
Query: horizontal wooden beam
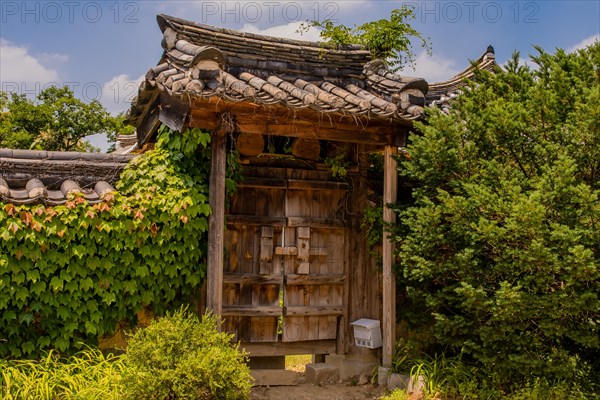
295 129
293 251
251 311
292 222
325 223
302 311
321 279
251 279
294 184
289 348
263 183
254 118
204 120
301 184
255 220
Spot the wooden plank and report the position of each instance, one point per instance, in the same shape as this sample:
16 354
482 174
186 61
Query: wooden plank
266 249
251 311
261 206
293 328
276 377
255 220
390 177
204 120
299 184
286 251
341 341
259 182
311 222
250 294
289 348
251 279
312 311
264 329
330 294
293 251
216 224
314 279
303 245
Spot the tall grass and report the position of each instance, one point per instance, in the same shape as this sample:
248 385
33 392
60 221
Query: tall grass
87 375
452 378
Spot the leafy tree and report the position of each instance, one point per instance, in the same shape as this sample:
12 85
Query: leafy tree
387 39
56 121
500 251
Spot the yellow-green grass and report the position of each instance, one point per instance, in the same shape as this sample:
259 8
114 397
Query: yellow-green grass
297 362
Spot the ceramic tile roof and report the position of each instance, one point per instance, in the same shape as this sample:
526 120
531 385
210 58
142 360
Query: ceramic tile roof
48 177
441 93
204 61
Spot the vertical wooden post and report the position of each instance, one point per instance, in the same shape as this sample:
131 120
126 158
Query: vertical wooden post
216 223
390 178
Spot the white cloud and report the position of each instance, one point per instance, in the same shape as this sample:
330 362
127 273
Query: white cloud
433 68
584 43
118 93
19 70
116 97
53 58
287 31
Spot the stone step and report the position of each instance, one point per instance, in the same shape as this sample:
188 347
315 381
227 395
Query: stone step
321 374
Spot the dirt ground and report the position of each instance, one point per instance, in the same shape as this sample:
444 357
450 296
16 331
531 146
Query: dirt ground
305 391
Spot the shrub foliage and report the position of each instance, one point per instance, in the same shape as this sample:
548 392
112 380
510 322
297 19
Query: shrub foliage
182 357
500 250
70 273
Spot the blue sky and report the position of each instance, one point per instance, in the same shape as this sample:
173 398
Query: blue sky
102 48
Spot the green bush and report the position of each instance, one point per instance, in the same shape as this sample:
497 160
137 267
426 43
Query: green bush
87 375
541 389
182 357
500 251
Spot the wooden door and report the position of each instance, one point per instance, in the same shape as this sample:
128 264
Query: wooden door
285 259
313 284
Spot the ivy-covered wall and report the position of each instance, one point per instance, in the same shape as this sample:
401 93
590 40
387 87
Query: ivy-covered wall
69 274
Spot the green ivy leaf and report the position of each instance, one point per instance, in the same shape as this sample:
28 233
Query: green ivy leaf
38 287
86 284
56 284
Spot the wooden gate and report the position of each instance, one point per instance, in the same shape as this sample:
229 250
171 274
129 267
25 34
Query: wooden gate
284 274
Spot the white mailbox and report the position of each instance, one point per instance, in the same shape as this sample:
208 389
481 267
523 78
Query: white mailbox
367 333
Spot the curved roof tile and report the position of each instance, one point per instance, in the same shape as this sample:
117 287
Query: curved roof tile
204 61
48 177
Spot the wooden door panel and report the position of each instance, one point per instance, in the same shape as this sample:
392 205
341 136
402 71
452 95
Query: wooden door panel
311 310
252 282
